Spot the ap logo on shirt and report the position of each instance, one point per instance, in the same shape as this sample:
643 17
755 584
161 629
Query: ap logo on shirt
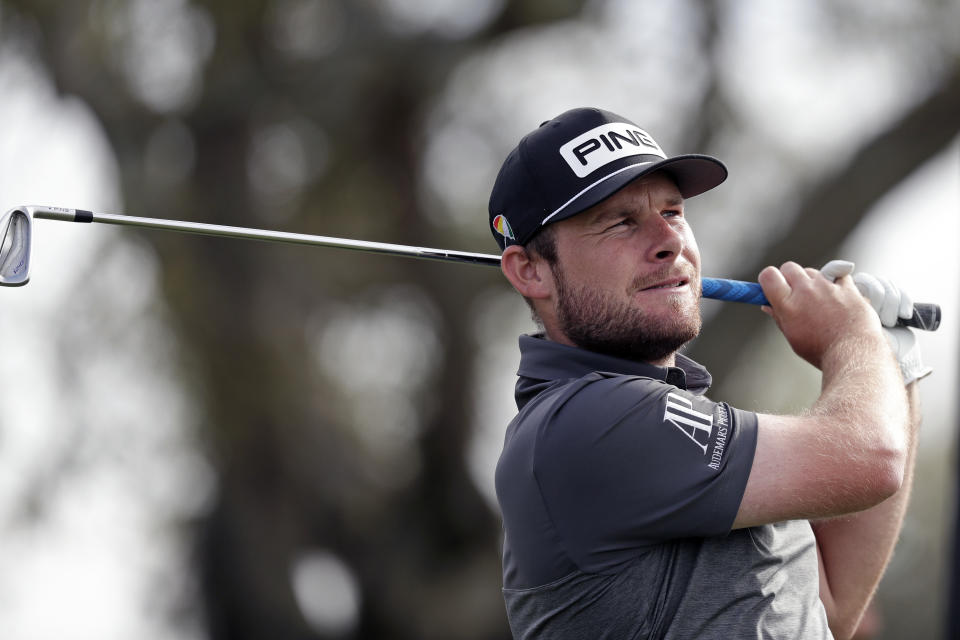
694 424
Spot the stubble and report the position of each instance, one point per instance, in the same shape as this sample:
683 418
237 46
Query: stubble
594 320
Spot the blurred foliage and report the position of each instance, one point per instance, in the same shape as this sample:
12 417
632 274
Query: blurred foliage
338 391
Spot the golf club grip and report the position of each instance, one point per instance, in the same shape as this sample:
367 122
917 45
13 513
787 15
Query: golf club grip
926 316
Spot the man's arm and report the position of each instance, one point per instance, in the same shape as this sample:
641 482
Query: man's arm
850 452
854 550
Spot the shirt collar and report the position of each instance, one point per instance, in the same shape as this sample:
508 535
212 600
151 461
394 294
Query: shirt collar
542 359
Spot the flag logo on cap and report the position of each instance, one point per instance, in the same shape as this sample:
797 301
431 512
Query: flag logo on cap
502 227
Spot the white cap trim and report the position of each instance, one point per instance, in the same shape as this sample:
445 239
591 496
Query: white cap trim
585 189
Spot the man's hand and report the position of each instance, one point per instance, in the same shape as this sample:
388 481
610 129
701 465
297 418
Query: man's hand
815 313
887 300
891 303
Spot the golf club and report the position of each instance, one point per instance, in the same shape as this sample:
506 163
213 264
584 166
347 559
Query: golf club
16 228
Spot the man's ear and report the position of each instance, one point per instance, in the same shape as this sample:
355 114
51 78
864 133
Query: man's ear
529 274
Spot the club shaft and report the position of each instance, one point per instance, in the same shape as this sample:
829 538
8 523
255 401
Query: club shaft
223 231
926 316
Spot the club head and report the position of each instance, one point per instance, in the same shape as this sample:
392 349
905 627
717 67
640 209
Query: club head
15 232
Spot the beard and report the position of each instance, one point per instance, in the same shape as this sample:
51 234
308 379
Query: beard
592 319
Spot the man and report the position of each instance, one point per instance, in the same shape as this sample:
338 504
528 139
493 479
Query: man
635 507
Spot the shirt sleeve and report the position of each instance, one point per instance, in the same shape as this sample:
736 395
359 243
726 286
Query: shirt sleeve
627 462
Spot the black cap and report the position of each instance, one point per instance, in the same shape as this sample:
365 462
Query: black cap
576 160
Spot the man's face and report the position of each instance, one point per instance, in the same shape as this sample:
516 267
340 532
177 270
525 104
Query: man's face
628 274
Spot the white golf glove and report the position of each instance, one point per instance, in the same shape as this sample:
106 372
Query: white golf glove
890 303
836 269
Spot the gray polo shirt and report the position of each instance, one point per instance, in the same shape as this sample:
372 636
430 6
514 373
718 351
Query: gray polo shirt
619 482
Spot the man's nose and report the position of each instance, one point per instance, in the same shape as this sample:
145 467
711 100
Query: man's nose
666 241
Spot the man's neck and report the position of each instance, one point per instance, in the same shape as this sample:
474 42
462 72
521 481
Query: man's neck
560 337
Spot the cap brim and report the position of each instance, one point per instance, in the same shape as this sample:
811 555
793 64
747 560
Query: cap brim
693 173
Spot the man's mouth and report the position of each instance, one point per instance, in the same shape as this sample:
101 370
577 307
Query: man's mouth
672 284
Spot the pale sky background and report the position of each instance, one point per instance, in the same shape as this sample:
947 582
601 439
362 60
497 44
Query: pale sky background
84 564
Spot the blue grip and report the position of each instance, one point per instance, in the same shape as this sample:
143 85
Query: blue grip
733 291
926 316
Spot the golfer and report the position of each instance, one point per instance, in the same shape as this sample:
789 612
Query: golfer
633 505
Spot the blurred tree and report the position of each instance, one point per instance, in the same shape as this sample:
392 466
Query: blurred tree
310 115
953 595
337 409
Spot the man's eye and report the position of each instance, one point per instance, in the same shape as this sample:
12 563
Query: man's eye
672 213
